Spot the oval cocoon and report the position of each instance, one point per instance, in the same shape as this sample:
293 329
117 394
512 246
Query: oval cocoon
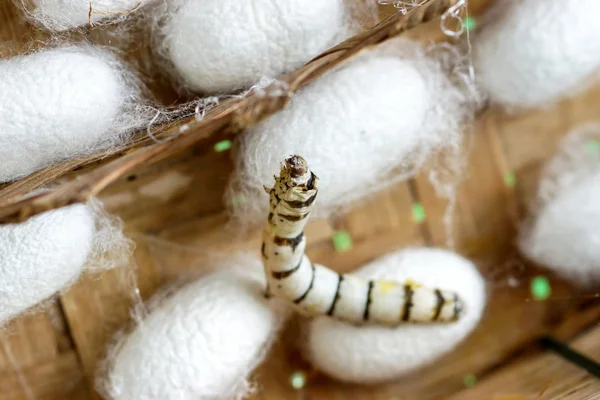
371 354
41 256
360 127
223 45
533 52
58 104
66 14
564 235
202 342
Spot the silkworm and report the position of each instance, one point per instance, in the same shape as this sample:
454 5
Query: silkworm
315 290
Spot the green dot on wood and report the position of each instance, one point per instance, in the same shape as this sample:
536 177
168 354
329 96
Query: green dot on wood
342 241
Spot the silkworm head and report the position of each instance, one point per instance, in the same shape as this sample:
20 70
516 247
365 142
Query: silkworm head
296 165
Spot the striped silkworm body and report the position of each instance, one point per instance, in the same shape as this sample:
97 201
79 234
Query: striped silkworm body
315 290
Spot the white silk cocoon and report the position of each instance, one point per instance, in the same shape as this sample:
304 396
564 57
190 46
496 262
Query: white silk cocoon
562 233
60 15
43 255
361 128
62 103
534 52
218 46
372 354
201 342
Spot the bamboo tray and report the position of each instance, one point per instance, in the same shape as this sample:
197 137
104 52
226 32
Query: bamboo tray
172 209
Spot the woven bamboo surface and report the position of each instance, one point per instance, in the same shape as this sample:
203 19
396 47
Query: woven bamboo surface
174 213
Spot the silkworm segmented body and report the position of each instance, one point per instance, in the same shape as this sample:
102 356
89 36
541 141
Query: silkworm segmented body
315 290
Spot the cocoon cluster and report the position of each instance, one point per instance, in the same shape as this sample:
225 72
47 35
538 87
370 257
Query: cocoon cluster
362 127
562 233
61 15
531 52
222 45
62 103
200 342
372 354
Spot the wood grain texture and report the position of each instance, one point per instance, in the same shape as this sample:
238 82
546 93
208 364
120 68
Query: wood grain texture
173 211
38 359
545 377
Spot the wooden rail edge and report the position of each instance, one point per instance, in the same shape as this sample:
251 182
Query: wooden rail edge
225 120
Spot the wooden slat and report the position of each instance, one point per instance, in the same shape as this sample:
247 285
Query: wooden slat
171 193
58 379
31 339
543 377
99 306
40 338
479 223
